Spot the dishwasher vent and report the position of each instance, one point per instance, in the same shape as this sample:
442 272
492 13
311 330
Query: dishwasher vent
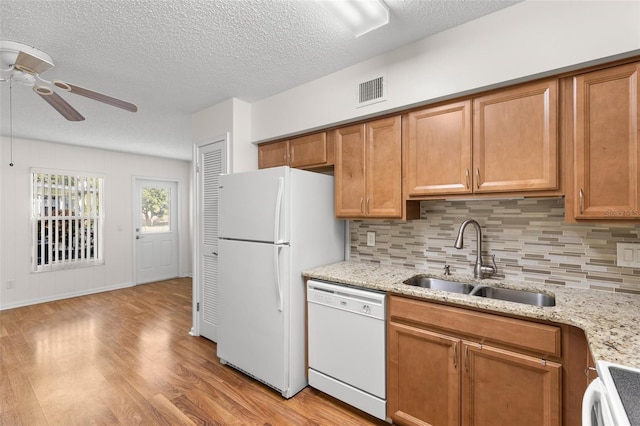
372 91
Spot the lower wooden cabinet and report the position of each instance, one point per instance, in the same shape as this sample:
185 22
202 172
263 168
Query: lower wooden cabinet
424 377
501 387
449 377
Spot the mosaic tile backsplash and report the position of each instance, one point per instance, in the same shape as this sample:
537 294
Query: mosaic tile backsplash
529 238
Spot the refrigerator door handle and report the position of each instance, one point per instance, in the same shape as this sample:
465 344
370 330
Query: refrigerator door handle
276 260
276 225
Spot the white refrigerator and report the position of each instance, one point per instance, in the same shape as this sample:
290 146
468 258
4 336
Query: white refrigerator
273 224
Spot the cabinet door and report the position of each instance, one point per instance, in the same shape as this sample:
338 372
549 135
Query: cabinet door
349 171
515 139
607 108
309 151
439 150
423 377
500 387
273 154
383 168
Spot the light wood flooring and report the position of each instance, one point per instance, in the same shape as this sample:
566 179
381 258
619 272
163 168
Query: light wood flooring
125 357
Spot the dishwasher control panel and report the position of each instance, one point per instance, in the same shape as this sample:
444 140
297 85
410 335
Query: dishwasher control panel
365 302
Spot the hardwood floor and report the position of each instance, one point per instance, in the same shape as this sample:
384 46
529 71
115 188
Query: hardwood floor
125 357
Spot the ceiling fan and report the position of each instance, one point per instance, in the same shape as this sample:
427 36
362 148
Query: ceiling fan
24 64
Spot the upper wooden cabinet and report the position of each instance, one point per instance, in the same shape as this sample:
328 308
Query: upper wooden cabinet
511 146
368 169
311 151
273 154
515 139
606 151
304 152
438 157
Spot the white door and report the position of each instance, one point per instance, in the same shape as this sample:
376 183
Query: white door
156 230
211 163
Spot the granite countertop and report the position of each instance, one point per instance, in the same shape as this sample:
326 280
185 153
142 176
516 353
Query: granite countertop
611 321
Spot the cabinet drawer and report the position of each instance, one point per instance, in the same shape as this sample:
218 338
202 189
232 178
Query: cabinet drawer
483 327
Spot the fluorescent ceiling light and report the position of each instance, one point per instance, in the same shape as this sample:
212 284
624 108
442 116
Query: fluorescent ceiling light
360 16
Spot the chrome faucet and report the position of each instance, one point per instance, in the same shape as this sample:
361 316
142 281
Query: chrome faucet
480 270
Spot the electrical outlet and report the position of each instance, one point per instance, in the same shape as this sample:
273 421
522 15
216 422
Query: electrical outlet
11 284
628 254
371 239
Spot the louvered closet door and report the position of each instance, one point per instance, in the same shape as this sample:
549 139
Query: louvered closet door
212 162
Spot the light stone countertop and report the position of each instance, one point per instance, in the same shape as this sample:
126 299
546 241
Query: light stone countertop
611 321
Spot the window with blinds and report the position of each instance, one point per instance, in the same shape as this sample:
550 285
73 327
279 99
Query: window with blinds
67 220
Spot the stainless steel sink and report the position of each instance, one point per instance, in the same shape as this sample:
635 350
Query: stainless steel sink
437 284
512 295
497 293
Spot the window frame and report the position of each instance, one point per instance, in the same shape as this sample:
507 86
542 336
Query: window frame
75 212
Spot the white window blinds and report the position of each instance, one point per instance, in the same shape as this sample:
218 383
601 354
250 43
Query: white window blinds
67 220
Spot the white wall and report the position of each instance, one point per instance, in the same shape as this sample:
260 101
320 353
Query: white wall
15 225
244 154
516 43
231 116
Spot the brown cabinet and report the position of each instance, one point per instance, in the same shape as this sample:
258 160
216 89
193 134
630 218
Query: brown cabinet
273 154
423 375
452 366
310 151
439 150
368 171
304 152
512 145
502 387
606 134
515 139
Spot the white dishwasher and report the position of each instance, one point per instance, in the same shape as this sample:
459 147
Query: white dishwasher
347 350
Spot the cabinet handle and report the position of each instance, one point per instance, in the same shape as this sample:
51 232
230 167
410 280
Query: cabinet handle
455 355
581 197
587 372
478 178
361 201
466 177
466 358
368 209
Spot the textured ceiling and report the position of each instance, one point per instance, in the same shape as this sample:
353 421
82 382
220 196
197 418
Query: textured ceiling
174 58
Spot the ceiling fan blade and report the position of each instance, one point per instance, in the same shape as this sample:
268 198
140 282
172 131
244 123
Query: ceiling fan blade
96 96
59 104
31 64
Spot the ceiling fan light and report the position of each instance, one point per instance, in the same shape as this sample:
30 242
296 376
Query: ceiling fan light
360 16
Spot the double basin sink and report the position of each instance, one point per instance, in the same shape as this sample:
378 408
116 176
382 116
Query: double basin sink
479 290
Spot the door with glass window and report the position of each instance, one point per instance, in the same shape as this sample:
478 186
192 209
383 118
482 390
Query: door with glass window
156 230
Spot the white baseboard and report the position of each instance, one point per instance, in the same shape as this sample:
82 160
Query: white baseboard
64 296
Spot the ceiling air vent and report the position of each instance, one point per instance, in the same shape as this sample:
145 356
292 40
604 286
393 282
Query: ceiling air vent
372 91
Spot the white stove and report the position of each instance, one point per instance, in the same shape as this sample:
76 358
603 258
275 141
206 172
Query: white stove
612 399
